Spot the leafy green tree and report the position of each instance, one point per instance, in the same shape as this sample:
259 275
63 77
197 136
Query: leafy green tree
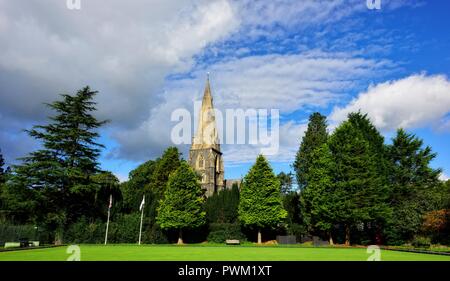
319 197
415 186
61 171
260 204
107 185
168 163
138 185
182 204
286 182
358 183
315 135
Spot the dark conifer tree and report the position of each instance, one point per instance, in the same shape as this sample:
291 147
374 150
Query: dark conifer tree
61 171
314 137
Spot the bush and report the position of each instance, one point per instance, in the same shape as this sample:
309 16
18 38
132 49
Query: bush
125 229
155 235
219 232
421 242
12 233
85 232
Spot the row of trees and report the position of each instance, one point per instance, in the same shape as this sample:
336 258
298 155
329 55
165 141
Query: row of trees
352 188
352 181
60 187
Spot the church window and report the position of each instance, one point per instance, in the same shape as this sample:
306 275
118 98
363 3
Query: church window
201 162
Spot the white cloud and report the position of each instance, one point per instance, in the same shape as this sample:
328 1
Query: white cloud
126 49
123 49
444 177
411 102
290 136
286 82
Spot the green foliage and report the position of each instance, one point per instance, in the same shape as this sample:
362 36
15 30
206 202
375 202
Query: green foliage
319 199
220 232
61 172
138 184
167 164
12 233
182 204
107 184
291 203
260 203
359 186
421 242
315 135
123 229
222 207
415 188
18 202
3 171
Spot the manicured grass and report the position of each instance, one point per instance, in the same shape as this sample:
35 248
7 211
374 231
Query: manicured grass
211 253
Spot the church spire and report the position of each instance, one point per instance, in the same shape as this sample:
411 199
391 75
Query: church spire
206 131
205 156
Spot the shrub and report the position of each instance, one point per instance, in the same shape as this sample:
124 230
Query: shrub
219 232
12 233
421 242
85 232
155 235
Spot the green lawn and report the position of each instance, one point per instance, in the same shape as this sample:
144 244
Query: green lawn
211 253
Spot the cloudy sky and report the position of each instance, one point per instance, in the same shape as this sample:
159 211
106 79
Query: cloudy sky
148 58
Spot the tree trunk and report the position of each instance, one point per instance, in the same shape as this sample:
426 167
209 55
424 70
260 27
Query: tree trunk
58 237
259 237
180 237
331 239
347 235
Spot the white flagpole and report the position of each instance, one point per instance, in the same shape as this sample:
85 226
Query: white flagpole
142 216
107 222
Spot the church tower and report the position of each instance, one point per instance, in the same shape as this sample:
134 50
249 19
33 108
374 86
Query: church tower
205 156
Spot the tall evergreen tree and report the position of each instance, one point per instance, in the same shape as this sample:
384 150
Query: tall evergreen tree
314 137
319 198
414 184
374 139
260 204
358 183
61 172
182 204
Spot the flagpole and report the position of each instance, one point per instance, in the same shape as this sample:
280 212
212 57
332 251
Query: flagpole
107 227
107 222
142 216
140 228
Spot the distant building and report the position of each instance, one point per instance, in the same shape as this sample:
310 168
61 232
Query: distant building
229 183
205 156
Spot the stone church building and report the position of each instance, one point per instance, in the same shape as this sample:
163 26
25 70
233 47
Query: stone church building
205 156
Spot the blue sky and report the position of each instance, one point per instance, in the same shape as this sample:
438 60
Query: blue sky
296 56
